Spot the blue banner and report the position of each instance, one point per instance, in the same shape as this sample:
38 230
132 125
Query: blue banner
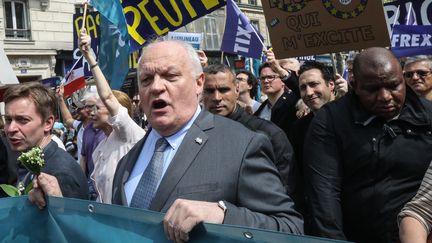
411 40
240 37
148 19
73 220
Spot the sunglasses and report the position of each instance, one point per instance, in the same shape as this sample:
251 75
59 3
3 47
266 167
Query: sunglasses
420 73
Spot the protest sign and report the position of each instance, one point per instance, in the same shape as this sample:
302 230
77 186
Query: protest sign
192 38
301 28
411 40
147 19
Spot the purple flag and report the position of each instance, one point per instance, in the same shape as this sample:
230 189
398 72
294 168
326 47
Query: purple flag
240 37
411 40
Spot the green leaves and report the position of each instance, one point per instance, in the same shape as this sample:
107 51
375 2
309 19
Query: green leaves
33 161
11 191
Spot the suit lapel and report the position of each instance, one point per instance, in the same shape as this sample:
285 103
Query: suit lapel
192 143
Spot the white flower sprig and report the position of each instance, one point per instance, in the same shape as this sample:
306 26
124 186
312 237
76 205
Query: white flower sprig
33 160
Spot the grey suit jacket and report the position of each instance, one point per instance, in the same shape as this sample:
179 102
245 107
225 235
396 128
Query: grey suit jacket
232 164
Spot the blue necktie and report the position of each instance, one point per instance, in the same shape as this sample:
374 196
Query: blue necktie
146 188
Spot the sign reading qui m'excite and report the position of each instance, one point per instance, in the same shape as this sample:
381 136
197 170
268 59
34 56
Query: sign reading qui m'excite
149 18
304 27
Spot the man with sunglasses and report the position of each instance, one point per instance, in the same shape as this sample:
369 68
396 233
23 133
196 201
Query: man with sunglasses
418 76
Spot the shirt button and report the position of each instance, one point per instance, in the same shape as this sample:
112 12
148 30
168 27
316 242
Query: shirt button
429 133
409 131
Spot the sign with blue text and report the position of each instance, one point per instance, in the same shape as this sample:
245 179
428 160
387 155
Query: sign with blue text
411 40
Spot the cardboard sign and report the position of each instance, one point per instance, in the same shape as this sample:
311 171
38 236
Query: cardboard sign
310 27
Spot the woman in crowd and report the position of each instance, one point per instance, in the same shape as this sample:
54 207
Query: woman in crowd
112 114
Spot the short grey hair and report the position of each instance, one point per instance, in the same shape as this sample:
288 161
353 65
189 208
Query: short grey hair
421 58
191 52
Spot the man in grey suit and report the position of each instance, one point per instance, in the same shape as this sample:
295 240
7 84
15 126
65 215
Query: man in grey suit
214 169
217 170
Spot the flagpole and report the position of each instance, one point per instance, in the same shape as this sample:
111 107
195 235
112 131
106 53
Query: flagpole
222 54
84 15
394 21
408 15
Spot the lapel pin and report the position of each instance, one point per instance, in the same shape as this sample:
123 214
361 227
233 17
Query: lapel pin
198 141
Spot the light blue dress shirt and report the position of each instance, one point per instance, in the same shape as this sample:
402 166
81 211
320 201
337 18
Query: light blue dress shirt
174 142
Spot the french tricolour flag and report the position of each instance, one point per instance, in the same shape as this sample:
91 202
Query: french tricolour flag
74 80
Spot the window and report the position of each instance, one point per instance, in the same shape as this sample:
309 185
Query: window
17 25
253 2
211 36
255 24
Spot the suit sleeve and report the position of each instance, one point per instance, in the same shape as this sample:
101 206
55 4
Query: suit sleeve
323 170
262 201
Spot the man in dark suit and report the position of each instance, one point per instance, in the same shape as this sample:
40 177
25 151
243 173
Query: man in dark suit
215 170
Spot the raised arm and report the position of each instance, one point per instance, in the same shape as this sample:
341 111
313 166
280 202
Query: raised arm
104 90
67 116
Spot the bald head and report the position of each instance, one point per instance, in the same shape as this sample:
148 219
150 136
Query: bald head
379 83
375 58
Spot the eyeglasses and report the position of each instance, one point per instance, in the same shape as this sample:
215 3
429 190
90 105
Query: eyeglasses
269 77
420 73
241 79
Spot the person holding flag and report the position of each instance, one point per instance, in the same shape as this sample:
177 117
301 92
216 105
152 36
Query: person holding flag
112 115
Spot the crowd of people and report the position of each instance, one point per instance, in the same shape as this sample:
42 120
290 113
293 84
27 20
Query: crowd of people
321 155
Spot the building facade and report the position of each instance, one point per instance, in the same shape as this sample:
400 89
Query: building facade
37 34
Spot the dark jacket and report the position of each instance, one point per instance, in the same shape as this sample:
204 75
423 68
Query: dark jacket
284 156
297 136
361 169
63 166
283 112
58 163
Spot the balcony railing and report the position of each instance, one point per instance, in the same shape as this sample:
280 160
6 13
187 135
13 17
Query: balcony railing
18 34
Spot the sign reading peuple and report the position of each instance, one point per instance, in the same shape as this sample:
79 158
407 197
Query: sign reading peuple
307 27
147 19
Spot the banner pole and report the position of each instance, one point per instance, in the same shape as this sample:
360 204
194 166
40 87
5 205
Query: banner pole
332 55
394 22
84 15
